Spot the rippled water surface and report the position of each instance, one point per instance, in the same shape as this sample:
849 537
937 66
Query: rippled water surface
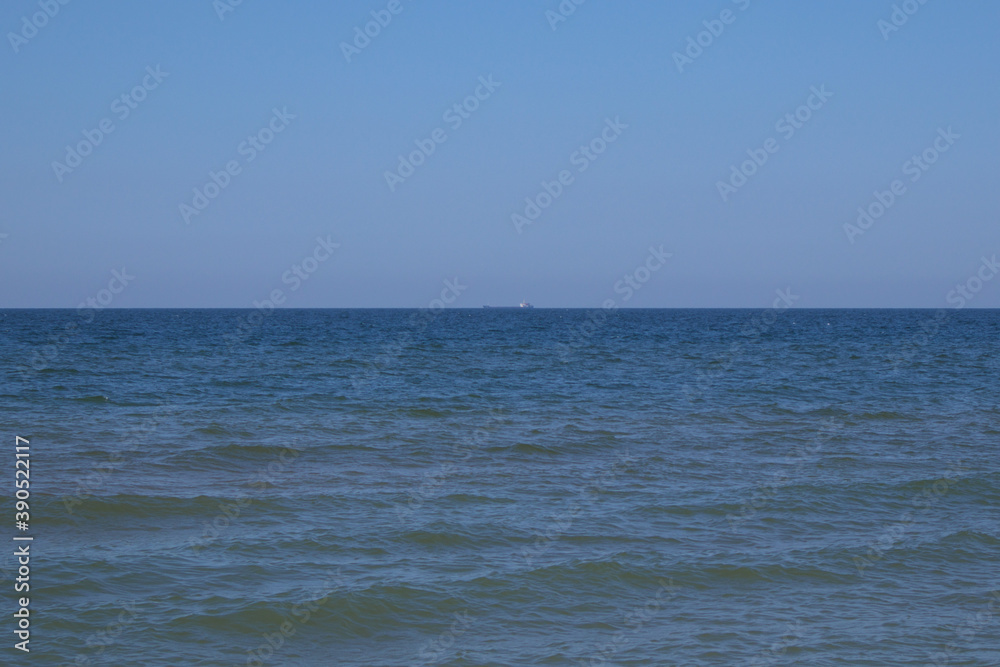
544 487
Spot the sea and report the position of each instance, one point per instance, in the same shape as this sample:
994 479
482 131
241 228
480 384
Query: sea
502 487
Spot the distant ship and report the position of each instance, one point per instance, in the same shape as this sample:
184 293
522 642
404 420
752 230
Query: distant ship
524 304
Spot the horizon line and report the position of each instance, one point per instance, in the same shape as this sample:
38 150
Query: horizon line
482 308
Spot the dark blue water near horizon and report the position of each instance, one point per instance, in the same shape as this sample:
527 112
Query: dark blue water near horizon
496 487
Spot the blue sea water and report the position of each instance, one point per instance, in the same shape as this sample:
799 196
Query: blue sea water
477 487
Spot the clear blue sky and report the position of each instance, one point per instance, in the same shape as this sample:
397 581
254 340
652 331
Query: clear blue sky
324 173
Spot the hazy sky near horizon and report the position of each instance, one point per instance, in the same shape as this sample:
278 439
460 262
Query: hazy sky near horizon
641 137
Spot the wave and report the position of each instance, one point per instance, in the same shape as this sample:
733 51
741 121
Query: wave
91 399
